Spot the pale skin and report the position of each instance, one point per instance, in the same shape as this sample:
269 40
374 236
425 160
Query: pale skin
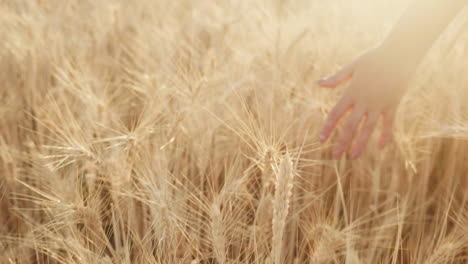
379 77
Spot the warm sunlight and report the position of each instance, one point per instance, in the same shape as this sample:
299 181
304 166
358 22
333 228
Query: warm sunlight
234 131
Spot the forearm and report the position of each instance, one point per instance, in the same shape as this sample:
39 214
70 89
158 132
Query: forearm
419 27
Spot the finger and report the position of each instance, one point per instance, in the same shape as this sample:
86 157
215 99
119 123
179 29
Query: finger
348 132
334 117
365 133
387 128
338 78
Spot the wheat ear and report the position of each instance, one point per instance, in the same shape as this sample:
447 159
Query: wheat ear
283 188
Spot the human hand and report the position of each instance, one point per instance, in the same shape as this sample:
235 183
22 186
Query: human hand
378 82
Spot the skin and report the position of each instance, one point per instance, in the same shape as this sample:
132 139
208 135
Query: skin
380 76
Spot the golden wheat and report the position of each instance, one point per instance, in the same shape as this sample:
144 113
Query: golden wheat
187 132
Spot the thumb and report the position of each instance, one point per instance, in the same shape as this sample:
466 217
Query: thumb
338 78
341 76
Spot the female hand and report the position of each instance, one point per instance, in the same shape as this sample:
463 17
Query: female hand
378 82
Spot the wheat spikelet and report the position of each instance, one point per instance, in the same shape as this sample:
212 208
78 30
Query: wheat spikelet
284 184
217 228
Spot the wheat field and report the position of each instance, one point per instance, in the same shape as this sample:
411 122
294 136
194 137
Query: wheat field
187 132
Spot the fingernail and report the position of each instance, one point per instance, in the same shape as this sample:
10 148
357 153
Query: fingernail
322 81
322 138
